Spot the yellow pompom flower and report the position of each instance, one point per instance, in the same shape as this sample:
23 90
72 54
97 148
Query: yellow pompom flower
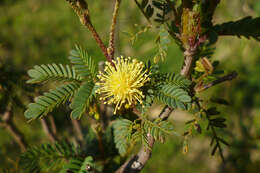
120 84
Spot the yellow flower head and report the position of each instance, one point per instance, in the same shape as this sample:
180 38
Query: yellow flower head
120 84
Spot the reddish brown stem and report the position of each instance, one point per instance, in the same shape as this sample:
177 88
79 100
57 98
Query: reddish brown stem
111 46
81 9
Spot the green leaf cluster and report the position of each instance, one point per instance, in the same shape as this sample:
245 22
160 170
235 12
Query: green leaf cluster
48 157
122 135
53 72
50 100
247 27
128 132
174 91
80 80
84 65
86 165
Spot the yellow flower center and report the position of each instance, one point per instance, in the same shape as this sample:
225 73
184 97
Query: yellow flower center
121 84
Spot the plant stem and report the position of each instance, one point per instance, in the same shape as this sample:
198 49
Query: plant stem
47 130
53 125
111 46
81 9
188 63
9 125
227 77
78 130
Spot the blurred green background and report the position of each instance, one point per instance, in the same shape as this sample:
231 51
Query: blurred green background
44 31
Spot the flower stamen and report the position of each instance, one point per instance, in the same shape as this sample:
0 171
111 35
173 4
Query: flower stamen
120 84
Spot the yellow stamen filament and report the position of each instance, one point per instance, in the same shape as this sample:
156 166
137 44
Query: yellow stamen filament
120 85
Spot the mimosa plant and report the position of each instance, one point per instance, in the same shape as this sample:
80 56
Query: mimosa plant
131 87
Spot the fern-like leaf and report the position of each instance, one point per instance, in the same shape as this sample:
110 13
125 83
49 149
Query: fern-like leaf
82 99
83 63
79 165
48 72
122 134
246 27
174 96
158 129
178 80
47 157
46 103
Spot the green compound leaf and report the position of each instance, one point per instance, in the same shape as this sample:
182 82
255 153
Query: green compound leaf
174 96
82 99
247 27
178 80
159 129
53 72
122 134
79 165
83 63
48 157
50 100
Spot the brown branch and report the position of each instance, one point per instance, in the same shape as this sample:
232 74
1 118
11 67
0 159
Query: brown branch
53 125
78 130
111 46
188 62
81 9
8 124
136 163
47 130
227 77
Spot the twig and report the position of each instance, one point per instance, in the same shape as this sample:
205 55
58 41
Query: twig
228 77
171 5
77 129
111 46
53 125
47 130
188 62
8 123
136 163
143 12
81 9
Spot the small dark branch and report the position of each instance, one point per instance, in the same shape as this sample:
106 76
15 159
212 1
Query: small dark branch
81 9
136 163
228 77
171 5
165 113
9 125
53 125
143 12
78 130
111 46
47 130
100 142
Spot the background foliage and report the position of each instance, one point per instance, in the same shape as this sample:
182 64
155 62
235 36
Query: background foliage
41 32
